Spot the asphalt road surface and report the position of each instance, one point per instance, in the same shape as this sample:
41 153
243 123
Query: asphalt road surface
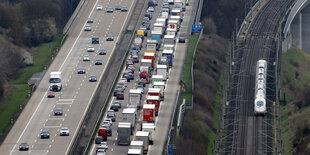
162 121
77 91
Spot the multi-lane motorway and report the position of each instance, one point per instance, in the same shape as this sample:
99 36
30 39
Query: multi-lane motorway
77 91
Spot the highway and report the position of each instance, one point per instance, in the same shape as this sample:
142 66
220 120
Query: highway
77 91
245 133
162 121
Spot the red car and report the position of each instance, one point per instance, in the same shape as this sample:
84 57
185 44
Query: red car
120 96
51 95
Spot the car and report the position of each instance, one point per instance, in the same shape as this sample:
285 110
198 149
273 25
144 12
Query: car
101 152
135 58
116 91
99 7
92 78
51 94
109 130
98 62
120 96
91 49
95 40
45 134
120 86
140 87
23 147
118 7
89 20
150 9
110 37
148 14
104 145
111 115
141 83
114 107
106 123
109 10
145 20
87 28
109 120
98 140
64 131
147 25
86 58
57 111
124 9
181 39
102 52
129 62
81 71
128 76
118 103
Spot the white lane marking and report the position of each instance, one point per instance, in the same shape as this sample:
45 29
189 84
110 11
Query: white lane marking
66 100
52 126
64 103
92 149
29 121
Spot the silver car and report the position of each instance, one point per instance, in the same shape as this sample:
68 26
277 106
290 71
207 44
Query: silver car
86 58
87 28
64 131
109 10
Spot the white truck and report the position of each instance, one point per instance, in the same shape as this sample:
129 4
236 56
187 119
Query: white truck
161 86
162 20
129 115
149 127
169 39
55 81
147 63
169 47
157 78
136 144
135 98
162 70
135 152
143 136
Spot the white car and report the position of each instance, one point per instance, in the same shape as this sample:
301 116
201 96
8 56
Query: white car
150 9
91 49
106 123
99 7
103 145
64 131
86 58
87 28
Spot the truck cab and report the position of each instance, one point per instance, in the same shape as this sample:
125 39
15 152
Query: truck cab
55 81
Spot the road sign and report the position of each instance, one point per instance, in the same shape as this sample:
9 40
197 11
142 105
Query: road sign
196 28
171 149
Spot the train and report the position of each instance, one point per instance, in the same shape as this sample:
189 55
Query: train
260 88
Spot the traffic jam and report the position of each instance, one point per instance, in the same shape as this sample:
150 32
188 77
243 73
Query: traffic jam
131 116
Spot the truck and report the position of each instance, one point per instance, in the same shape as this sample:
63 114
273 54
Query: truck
147 62
161 86
173 24
55 81
150 56
162 70
169 39
169 47
165 15
171 31
159 27
171 2
143 136
103 133
162 20
140 32
169 55
136 144
157 78
176 12
152 46
177 18
135 152
149 112
124 131
135 98
155 101
156 92
163 60
138 42
129 115
149 127
156 35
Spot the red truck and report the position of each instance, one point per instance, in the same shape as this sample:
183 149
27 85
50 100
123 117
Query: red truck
151 56
154 100
149 112
145 77
103 133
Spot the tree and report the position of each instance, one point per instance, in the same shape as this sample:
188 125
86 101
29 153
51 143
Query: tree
209 26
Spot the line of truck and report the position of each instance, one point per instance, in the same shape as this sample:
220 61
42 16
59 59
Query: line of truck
153 73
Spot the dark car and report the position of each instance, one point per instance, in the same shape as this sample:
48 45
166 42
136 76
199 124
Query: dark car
109 130
114 107
98 62
45 134
124 9
120 96
118 7
128 76
98 139
182 40
135 48
81 71
102 52
129 62
57 111
147 26
141 83
148 14
109 10
92 78
145 20
118 103
116 91
23 147
95 40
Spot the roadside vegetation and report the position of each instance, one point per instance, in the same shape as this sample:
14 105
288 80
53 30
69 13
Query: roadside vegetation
295 106
198 132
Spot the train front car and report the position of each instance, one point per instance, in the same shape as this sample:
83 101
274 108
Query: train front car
260 88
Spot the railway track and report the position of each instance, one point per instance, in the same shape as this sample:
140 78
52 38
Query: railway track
243 132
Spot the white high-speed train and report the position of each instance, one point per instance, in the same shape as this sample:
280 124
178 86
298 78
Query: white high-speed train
260 88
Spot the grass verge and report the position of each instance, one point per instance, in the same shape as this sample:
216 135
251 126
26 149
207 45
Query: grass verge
187 72
41 57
